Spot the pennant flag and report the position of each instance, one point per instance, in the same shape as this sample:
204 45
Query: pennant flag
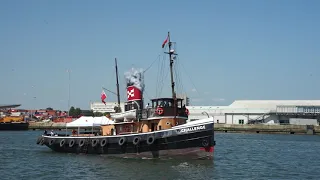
165 42
103 97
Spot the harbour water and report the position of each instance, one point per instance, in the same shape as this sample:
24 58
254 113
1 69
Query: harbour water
237 156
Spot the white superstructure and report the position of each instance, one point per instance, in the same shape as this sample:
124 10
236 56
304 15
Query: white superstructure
103 108
261 111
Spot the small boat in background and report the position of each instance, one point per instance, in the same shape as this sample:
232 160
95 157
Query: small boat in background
11 120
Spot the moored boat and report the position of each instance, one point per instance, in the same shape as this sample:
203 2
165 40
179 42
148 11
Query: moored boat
14 126
159 130
11 122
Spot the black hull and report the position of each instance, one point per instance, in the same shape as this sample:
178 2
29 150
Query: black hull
14 126
196 141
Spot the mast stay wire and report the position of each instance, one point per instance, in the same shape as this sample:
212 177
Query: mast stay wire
158 57
190 78
178 78
160 75
159 80
163 75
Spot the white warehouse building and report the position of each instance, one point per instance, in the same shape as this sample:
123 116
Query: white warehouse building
302 112
103 108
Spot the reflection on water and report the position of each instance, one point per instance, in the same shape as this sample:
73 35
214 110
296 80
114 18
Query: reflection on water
237 156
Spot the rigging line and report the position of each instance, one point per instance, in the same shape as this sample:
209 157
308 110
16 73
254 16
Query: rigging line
158 76
166 75
157 81
160 72
145 91
164 64
178 78
161 76
178 75
160 67
191 80
158 58
179 71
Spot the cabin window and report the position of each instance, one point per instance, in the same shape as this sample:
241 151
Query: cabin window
112 131
168 104
179 102
159 127
161 103
241 121
218 121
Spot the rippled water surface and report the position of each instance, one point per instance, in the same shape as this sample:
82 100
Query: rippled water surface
237 156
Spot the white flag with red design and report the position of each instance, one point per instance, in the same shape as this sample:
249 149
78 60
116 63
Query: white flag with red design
103 97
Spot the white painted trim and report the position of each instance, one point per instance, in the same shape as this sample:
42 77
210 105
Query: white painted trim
125 135
163 117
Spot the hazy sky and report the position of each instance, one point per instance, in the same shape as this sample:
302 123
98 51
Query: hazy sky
228 50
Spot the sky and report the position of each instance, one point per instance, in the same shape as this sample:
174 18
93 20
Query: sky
228 49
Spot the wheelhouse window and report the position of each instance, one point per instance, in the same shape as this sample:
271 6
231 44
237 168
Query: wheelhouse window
162 103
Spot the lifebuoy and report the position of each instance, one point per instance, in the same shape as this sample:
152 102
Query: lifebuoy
94 142
122 141
71 143
136 140
62 142
187 111
150 140
159 110
103 142
81 143
51 142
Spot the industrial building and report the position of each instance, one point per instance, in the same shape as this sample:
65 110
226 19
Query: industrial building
103 108
300 112
185 98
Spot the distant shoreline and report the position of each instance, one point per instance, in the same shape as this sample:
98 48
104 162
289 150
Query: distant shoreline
218 128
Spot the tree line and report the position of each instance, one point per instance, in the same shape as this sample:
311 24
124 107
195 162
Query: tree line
76 112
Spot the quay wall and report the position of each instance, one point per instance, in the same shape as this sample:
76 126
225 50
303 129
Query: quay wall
269 129
46 125
226 128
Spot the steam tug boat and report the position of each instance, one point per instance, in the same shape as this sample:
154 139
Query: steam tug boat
160 130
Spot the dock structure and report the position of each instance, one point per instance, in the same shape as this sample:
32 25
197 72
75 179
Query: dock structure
267 129
46 125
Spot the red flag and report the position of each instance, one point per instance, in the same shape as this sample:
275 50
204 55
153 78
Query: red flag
165 42
103 97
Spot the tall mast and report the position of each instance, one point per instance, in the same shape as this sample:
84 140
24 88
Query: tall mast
118 94
171 53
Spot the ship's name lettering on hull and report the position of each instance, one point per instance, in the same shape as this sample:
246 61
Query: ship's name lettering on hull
190 129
